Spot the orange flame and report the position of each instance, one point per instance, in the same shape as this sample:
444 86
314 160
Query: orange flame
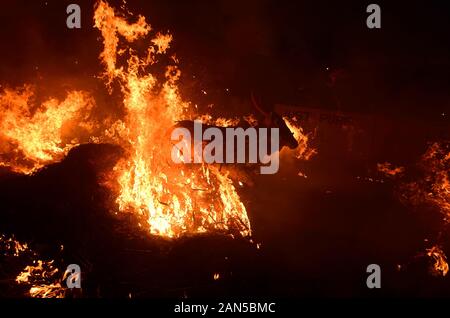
303 150
434 188
37 276
389 170
440 265
172 199
32 136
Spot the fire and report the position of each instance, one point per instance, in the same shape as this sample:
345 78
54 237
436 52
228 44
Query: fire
303 151
389 170
11 246
440 265
41 277
171 199
434 188
220 121
437 159
38 276
32 136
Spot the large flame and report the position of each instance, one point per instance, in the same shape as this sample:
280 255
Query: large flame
172 199
389 169
32 136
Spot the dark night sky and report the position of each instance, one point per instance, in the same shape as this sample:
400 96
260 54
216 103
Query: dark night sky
280 47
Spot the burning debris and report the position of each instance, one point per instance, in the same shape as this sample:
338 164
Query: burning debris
37 276
110 189
166 200
303 151
42 278
389 170
429 189
440 265
171 200
433 187
9 246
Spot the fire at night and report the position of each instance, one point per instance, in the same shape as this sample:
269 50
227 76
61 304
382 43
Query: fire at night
321 166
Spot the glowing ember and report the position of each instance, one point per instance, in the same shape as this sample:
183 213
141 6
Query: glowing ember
220 122
171 199
303 151
434 188
440 265
389 170
38 276
11 246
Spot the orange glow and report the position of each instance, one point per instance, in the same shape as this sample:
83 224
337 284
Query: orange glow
303 150
171 199
389 170
37 276
32 136
440 265
434 188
